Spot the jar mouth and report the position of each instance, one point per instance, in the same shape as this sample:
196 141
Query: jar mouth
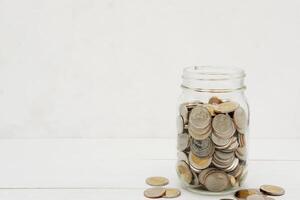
212 73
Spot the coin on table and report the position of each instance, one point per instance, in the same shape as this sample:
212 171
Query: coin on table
156 192
244 193
272 190
183 141
240 118
199 163
216 181
172 193
226 107
223 126
184 172
214 100
157 181
199 117
256 197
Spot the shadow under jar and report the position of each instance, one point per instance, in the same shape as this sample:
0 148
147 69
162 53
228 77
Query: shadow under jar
212 126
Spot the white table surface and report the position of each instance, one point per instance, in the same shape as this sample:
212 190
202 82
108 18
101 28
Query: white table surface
103 169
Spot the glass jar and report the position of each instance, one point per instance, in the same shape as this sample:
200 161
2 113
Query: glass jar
212 126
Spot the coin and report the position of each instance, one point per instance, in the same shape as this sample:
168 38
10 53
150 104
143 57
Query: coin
226 107
180 124
172 193
199 131
256 197
215 100
216 181
157 181
182 156
199 117
244 193
156 192
182 141
223 126
199 163
195 180
232 180
184 172
210 108
220 141
203 174
240 119
272 190
199 135
183 110
202 148
241 153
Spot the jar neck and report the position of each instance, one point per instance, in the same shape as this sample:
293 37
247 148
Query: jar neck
213 79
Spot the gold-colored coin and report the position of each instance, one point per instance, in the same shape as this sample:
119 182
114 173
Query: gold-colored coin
226 107
215 100
256 197
156 192
172 193
199 163
157 181
272 190
210 108
184 172
244 193
232 180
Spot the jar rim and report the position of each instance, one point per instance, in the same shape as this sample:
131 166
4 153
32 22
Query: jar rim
213 73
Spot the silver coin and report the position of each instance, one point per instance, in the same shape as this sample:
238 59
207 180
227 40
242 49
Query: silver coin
224 155
180 124
223 126
182 141
216 181
182 156
240 118
199 117
203 174
202 148
233 166
183 110
199 131
198 136
232 147
241 153
219 141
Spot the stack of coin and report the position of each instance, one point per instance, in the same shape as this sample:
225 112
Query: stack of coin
260 194
211 144
160 192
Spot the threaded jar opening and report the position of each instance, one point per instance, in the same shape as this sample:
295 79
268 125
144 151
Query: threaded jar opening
213 78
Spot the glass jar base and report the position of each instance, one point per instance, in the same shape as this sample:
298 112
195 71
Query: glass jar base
209 193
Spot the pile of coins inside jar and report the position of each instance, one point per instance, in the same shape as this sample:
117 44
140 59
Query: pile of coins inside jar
211 144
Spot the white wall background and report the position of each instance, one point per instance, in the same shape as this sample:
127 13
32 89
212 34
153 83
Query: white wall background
112 68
